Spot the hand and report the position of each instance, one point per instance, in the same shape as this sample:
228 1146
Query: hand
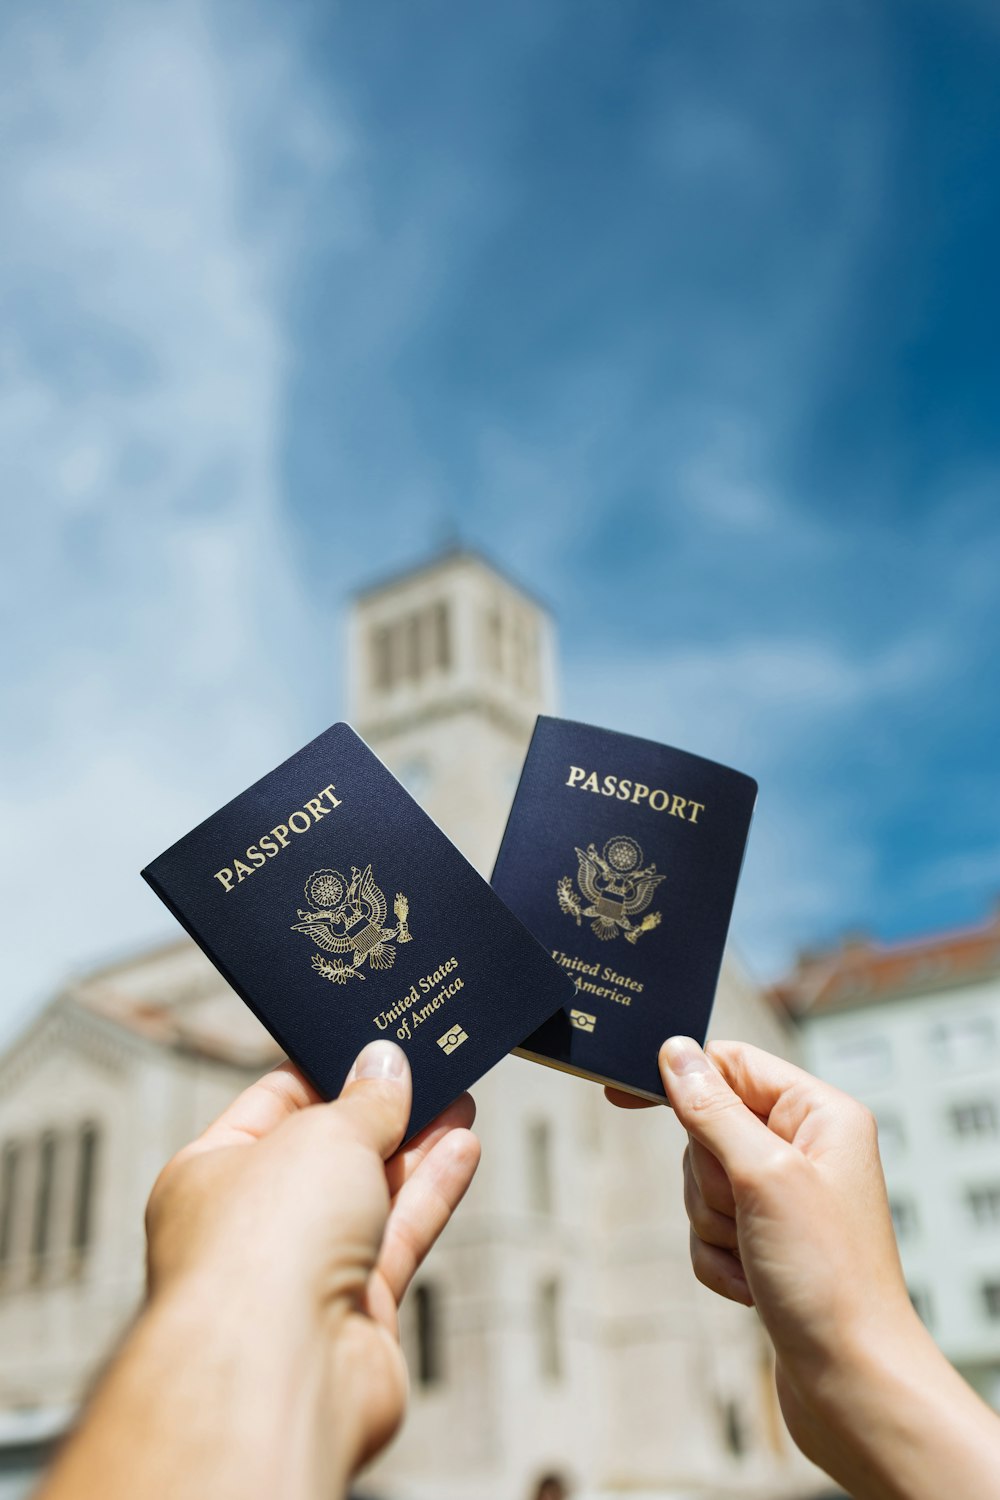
298 1215
784 1190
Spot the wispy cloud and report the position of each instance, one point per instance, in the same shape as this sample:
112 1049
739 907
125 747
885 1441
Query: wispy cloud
142 383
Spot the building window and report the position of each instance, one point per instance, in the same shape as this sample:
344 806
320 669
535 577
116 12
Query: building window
891 1134
540 1194
733 1428
494 640
42 1229
86 1178
863 1059
977 1118
991 1300
964 1041
427 1318
904 1217
983 1203
381 656
441 635
412 667
9 1177
922 1305
548 1331
410 647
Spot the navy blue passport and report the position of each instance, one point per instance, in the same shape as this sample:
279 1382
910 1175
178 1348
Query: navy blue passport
340 913
622 857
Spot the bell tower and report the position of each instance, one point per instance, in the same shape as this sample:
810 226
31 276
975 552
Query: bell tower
450 663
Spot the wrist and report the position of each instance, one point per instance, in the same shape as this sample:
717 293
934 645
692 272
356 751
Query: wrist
276 1357
872 1417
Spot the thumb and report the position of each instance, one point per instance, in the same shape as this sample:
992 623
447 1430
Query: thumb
377 1095
711 1112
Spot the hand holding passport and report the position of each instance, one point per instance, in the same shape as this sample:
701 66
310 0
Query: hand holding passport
340 913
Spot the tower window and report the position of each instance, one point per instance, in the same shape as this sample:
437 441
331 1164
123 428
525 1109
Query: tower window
9 1175
548 1331
540 1167
381 656
494 640
441 655
427 1317
86 1175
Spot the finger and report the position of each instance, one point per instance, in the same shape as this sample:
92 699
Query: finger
401 1167
627 1101
375 1101
708 1224
258 1110
764 1082
714 1185
424 1205
712 1113
785 1096
720 1271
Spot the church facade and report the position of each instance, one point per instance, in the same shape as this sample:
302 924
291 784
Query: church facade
557 1327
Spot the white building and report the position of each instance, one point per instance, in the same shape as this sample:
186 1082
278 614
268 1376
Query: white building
557 1327
913 1029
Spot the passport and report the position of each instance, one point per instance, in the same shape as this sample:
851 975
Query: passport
622 856
340 913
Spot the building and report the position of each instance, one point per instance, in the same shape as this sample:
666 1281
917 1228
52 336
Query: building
913 1029
557 1327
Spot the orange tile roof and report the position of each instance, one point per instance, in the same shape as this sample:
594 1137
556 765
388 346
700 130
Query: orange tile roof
864 971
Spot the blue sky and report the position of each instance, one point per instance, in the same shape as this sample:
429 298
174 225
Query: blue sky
688 315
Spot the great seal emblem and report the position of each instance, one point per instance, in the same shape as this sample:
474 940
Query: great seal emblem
348 918
614 887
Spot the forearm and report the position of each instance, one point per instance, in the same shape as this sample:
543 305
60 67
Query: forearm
214 1396
896 1422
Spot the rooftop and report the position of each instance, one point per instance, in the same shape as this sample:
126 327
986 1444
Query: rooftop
861 970
453 555
173 996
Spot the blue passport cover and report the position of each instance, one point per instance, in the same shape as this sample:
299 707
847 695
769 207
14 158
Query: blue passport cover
340 913
622 857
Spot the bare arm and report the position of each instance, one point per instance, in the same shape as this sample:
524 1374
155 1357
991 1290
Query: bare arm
788 1211
266 1361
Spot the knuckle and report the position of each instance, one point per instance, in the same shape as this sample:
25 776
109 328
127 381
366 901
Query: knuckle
712 1100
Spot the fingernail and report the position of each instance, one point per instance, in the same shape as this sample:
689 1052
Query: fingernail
683 1055
380 1060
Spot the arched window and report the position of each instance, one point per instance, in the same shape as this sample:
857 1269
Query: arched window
427 1319
9 1176
86 1178
547 1322
42 1228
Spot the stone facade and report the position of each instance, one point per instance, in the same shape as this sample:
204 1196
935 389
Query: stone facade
557 1327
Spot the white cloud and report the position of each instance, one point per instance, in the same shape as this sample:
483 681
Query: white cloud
150 594
776 708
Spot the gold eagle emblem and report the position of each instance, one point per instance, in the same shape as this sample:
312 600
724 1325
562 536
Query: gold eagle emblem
348 918
614 887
